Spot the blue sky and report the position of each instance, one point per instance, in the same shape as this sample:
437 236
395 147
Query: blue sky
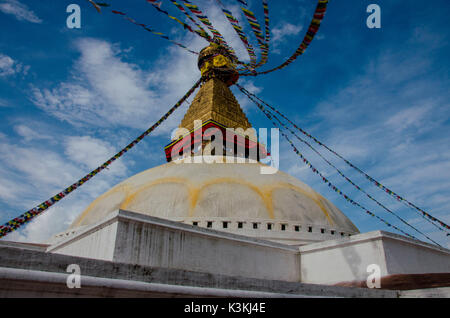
71 98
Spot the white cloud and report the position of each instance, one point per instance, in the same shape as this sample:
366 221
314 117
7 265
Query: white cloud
19 10
53 221
4 103
30 134
280 33
30 175
91 153
6 65
106 91
49 169
250 86
8 188
284 30
413 117
38 165
9 67
319 37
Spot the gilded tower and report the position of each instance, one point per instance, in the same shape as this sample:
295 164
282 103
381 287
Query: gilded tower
217 109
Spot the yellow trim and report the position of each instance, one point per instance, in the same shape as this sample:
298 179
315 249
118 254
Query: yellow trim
265 192
266 200
309 194
131 197
124 188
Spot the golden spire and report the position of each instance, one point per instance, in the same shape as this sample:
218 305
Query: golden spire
215 101
216 107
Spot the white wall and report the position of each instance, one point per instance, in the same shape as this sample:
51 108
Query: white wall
127 237
335 262
97 242
404 257
325 263
133 238
196 250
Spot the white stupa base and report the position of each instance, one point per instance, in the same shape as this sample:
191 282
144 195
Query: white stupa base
131 238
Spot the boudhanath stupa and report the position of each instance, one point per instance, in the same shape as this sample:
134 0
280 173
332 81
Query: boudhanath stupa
209 223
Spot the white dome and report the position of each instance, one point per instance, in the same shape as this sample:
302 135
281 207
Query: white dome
235 193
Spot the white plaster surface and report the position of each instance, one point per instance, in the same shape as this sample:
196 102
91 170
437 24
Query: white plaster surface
97 242
132 238
347 261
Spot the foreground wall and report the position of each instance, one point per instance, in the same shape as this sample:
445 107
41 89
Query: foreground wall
133 238
28 272
334 262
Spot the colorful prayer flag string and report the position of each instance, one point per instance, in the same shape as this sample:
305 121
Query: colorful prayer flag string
333 166
200 30
263 45
148 29
312 31
240 32
204 19
324 179
262 41
265 49
424 214
254 24
98 5
157 6
17 222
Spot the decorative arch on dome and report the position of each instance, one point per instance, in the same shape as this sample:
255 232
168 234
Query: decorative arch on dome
229 197
336 214
103 205
164 197
291 204
234 192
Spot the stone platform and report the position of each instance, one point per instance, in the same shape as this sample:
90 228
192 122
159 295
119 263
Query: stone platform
132 255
